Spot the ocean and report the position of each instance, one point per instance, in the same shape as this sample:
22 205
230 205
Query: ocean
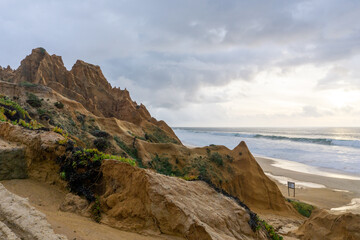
326 149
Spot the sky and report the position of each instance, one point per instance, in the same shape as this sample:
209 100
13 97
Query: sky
206 63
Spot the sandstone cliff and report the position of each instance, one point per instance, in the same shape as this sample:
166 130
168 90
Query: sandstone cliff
82 103
85 89
324 224
141 200
86 84
238 174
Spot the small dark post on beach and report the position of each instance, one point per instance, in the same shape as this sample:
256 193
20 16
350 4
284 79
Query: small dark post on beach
291 185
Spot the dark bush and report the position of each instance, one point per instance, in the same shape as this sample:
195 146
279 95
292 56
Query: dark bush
80 117
59 105
33 100
163 166
100 134
132 152
101 144
217 158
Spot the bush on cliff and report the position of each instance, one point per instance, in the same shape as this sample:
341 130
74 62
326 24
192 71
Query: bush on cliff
33 100
303 208
216 158
163 166
13 113
81 169
59 105
101 143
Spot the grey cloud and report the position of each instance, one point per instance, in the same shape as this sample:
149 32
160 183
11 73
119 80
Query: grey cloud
340 77
169 50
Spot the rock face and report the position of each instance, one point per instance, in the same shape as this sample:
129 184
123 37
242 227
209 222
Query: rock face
75 204
241 176
40 149
6 73
324 224
86 84
141 200
12 161
19 220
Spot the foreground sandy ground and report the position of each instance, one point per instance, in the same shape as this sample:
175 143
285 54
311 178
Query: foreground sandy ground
334 192
47 199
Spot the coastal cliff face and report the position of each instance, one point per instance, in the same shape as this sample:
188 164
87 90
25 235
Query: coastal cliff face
141 200
86 84
82 104
91 107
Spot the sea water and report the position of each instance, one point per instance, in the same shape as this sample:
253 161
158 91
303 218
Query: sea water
328 149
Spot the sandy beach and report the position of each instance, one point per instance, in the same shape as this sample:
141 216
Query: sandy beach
322 189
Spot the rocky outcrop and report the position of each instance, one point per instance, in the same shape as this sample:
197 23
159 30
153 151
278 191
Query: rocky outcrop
75 204
19 220
86 84
239 175
324 224
6 74
12 161
40 147
141 200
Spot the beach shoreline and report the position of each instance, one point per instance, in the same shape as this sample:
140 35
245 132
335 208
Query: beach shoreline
319 190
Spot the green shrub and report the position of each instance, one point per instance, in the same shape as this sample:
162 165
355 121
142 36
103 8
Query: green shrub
27 84
102 144
96 211
132 152
33 100
99 133
163 166
269 229
303 208
158 135
42 50
216 158
11 105
59 105
81 169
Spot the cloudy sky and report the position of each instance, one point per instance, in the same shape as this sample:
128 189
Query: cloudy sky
206 62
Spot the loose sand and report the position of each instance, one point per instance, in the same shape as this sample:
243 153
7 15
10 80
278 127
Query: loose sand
47 199
321 191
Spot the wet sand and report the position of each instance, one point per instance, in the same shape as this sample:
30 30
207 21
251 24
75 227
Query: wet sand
322 190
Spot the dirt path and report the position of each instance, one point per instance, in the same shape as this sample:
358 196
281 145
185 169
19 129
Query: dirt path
47 199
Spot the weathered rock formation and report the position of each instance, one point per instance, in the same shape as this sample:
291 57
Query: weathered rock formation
19 220
241 176
12 161
133 198
141 200
86 84
324 224
40 149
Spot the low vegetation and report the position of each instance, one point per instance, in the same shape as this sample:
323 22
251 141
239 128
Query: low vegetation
163 166
33 100
81 169
96 210
303 208
269 230
216 158
102 144
13 113
132 152
27 84
59 105
157 135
